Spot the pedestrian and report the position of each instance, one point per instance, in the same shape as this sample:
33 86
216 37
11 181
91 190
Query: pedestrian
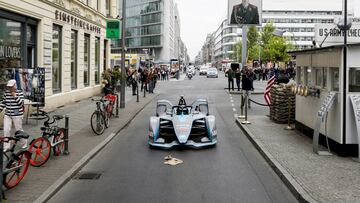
237 77
230 75
13 103
134 82
247 81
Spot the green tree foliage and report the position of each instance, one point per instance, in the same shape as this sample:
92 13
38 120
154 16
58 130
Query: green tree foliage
237 51
276 50
267 34
252 37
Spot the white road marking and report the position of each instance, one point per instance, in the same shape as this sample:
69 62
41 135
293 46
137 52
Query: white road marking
232 105
232 101
234 109
235 115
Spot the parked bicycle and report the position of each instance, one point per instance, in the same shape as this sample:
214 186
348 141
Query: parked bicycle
100 118
15 164
52 138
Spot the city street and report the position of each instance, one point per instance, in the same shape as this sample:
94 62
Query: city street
233 171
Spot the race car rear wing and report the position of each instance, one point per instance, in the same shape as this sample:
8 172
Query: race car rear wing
201 105
163 107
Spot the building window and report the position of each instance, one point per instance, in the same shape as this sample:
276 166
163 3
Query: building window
97 60
107 7
334 79
98 5
10 39
354 80
56 59
86 60
318 77
73 59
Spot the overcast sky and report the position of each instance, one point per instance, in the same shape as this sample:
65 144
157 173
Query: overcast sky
201 17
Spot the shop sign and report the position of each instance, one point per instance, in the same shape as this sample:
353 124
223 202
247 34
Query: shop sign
112 29
76 22
334 35
10 52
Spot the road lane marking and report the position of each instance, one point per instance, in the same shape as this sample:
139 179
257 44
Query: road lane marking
235 115
232 105
234 109
232 101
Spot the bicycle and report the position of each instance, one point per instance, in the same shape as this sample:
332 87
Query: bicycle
100 118
52 138
15 164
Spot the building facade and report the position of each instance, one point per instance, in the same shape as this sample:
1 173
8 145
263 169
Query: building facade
153 27
225 38
65 37
299 25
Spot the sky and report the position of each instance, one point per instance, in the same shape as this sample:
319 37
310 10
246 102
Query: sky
201 17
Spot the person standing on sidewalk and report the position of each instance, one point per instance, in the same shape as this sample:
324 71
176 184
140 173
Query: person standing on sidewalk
13 103
247 81
237 77
230 75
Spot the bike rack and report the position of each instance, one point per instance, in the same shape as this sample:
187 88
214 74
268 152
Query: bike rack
66 136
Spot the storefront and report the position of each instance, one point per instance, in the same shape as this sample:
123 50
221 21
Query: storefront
66 38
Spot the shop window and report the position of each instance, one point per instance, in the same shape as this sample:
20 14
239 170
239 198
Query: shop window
334 73
107 7
354 80
299 75
73 59
97 60
56 58
306 75
86 60
10 44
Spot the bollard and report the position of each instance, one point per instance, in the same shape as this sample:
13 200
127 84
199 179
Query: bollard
137 91
246 107
66 136
288 127
144 89
242 116
117 106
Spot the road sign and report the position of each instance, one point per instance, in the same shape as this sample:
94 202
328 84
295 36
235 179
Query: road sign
113 29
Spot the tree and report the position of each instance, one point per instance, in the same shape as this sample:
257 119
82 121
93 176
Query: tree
254 51
252 37
238 51
277 50
267 34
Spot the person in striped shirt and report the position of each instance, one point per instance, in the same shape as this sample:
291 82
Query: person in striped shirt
13 103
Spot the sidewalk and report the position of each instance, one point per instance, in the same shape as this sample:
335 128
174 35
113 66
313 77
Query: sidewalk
83 145
311 178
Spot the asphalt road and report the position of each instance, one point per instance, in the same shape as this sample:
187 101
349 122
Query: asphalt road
233 171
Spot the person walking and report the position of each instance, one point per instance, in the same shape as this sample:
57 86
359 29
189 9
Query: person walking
230 75
237 77
13 103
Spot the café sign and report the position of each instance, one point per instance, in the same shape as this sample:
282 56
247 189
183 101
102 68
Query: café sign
62 16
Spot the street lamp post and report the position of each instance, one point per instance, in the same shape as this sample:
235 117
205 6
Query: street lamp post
123 35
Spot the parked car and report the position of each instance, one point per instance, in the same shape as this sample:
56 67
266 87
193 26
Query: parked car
212 73
203 70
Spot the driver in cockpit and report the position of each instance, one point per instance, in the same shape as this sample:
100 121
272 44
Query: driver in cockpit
182 101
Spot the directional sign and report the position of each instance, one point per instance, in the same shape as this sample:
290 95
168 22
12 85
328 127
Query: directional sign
113 29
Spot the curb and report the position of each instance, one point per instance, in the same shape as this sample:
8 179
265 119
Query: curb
54 188
300 194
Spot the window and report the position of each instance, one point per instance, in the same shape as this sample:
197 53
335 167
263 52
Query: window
86 60
354 80
56 58
73 59
325 77
107 7
319 77
334 79
299 75
97 60
10 39
98 5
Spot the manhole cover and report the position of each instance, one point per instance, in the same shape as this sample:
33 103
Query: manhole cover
88 176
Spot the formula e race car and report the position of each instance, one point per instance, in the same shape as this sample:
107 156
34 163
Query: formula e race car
182 125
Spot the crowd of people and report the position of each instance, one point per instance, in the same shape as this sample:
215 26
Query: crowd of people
143 78
248 74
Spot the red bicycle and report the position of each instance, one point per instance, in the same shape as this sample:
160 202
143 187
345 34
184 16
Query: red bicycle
52 138
15 164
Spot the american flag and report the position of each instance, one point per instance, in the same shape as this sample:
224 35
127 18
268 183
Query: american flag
267 95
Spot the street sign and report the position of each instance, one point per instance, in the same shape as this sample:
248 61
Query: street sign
113 29
334 35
